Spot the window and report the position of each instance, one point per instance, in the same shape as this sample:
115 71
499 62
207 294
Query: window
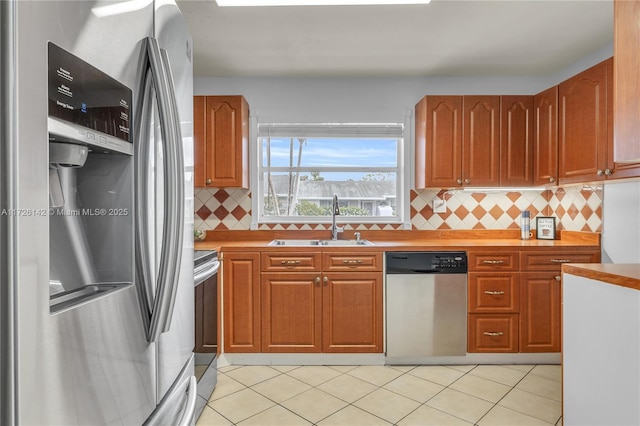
301 167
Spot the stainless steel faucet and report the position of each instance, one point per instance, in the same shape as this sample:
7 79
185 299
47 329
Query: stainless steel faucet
335 210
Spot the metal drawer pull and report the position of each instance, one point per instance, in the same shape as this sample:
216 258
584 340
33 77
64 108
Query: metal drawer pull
352 261
561 260
291 262
493 333
494 292
558 278
493 262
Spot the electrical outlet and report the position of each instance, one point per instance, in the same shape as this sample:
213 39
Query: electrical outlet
439 205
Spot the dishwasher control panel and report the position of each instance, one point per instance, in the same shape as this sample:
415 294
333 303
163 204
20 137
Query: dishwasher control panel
413 262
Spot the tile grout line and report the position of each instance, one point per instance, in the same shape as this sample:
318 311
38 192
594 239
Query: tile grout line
377 387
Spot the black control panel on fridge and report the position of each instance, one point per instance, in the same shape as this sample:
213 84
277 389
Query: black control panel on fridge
96 106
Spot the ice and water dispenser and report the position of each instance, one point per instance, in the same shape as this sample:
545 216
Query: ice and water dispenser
90 182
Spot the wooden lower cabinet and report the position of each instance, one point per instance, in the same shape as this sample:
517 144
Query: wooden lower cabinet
514 299
492 293
540 313
492 333
352 312
241 287
311 312
291 312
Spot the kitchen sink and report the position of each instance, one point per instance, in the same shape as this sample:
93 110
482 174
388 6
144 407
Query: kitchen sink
302 242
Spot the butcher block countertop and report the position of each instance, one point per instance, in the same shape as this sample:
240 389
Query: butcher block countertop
622 274
399 240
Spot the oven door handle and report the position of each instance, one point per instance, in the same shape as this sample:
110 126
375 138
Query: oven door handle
207 273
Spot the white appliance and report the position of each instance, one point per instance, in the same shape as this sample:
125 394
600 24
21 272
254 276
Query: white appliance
96 223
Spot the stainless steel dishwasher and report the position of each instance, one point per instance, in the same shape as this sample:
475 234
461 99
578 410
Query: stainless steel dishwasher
426 303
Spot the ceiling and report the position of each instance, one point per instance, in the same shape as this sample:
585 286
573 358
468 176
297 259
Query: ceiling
445 37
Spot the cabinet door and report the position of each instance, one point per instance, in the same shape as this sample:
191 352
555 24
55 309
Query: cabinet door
626 81
493 261
227 141
199 141
583 131
438 148
481 141
283 261
540 312
241 284
492 333
206 316
553 261
352 312
291 312
494 292
545 162
351 261
516 141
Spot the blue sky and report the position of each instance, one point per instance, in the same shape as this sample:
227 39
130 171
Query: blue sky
335 152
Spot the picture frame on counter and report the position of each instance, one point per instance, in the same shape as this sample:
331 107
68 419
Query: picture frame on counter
546 228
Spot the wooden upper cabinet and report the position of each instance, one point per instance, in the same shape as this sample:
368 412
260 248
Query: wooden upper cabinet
583 120
545 162
516 141
438 148
626 86
481 141
221 145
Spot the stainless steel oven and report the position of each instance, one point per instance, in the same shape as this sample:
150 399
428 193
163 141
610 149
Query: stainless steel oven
206 266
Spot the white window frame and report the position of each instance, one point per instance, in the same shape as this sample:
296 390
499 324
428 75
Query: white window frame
389 130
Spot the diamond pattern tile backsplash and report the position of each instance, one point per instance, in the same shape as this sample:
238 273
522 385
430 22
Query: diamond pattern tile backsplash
576 208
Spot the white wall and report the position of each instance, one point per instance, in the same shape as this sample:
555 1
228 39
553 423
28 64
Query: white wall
369 99
621 223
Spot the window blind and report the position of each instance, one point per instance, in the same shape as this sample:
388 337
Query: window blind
337 130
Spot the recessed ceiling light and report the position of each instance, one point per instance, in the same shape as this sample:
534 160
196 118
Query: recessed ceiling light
316 2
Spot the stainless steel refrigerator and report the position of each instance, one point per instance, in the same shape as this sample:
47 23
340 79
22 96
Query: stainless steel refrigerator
96 213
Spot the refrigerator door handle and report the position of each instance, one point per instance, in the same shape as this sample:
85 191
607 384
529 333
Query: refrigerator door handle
177 182
157 311
190 409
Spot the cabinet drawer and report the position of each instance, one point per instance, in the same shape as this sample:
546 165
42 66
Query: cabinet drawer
494 292
352 262
291 261
493 333
532 261
493 261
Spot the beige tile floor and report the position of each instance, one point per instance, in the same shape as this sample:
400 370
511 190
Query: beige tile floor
386 395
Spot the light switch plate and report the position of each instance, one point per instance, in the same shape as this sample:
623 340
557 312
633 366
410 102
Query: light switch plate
439 205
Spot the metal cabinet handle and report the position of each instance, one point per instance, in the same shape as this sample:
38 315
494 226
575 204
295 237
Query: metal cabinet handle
317 280
290 262
600 172
608 172
467 181
558 278
208 181
493 262
325 280
493 333
560 260
493 292
352 261
459 181
552 179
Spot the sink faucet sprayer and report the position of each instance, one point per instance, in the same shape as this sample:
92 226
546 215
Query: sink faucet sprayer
335 210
